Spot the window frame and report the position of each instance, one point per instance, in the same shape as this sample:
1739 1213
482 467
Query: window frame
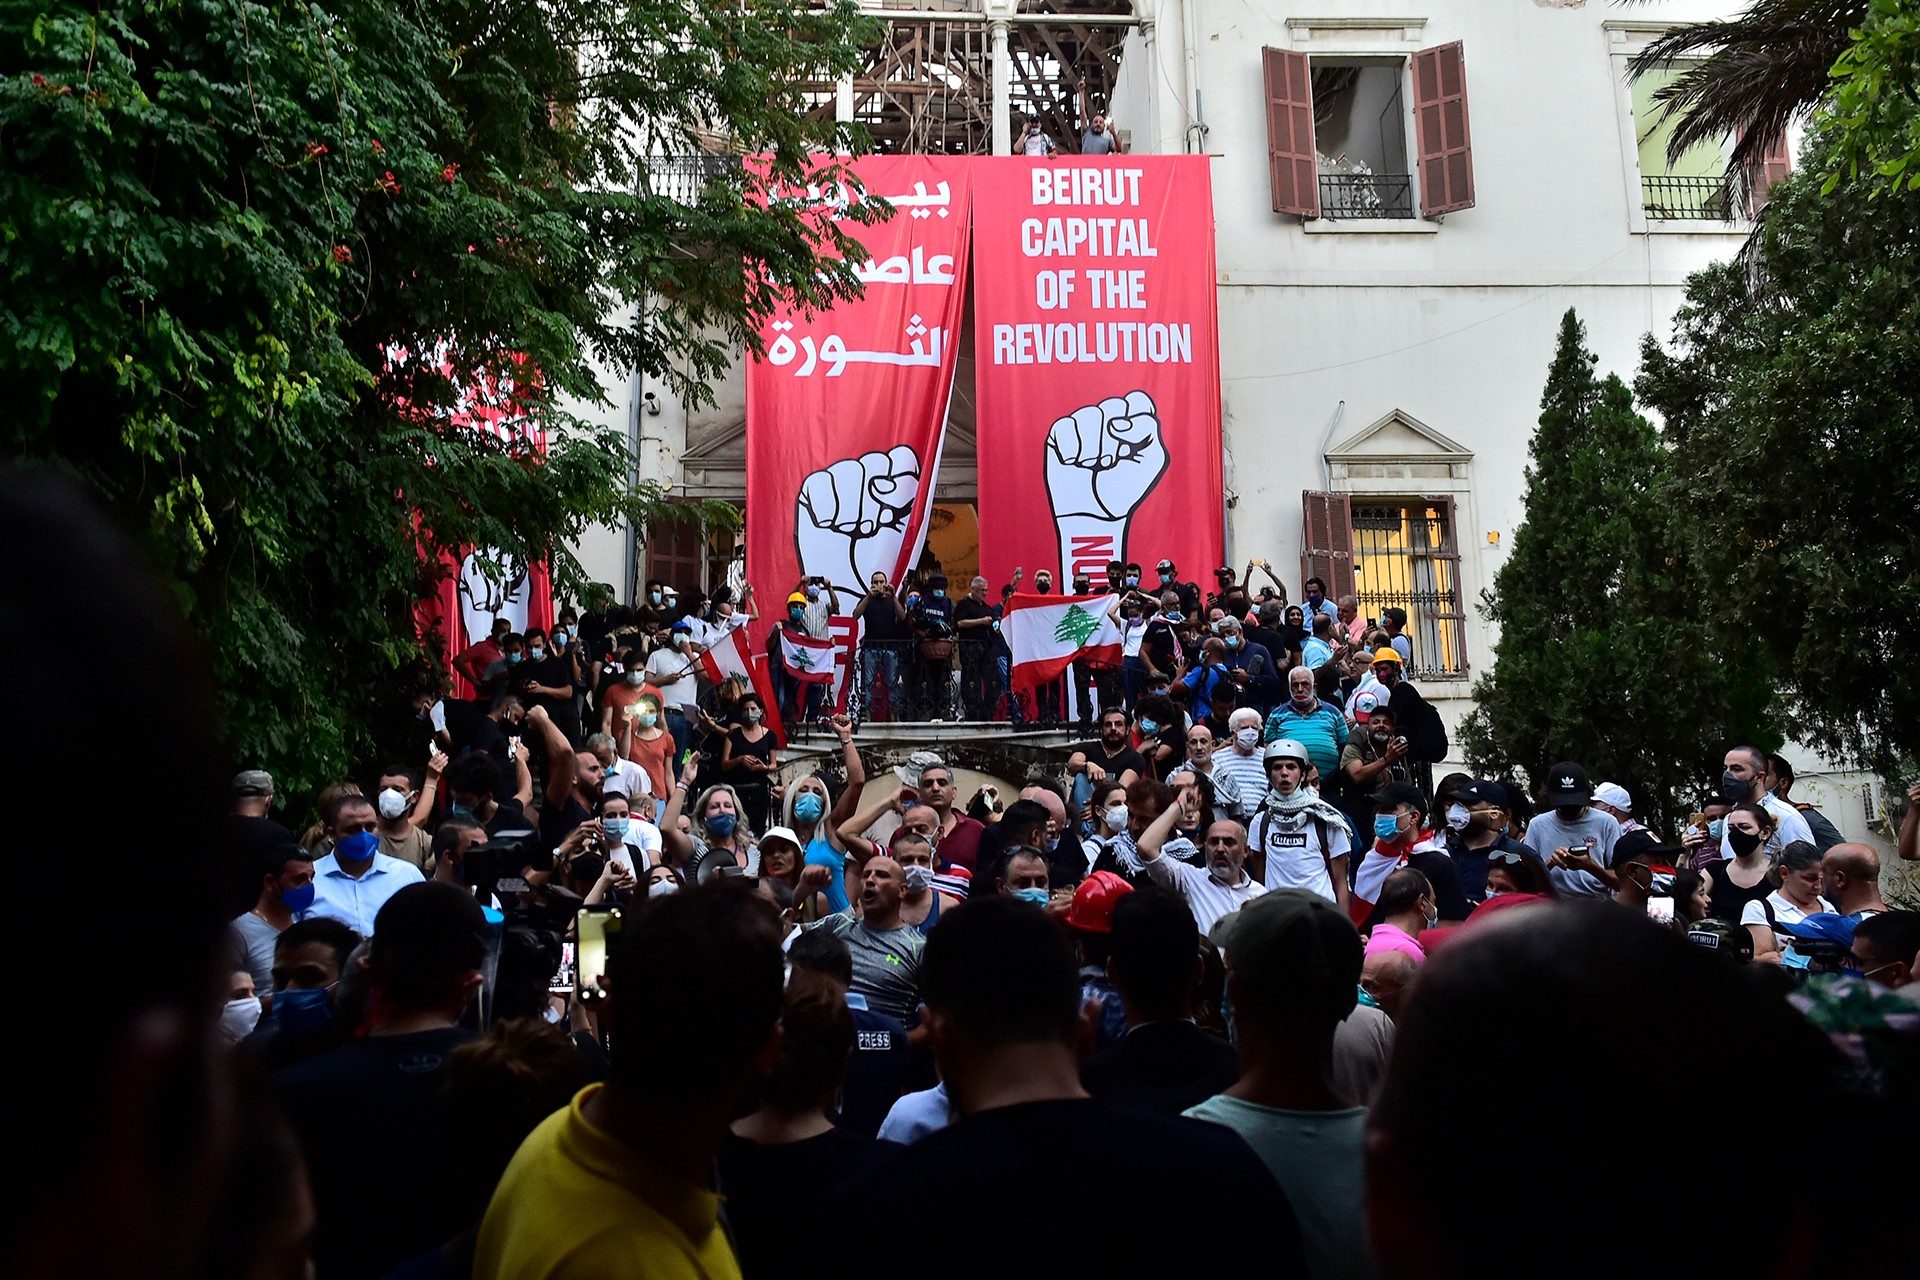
1625 39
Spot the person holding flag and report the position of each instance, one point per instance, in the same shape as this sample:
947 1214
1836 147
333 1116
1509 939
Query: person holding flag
1401 839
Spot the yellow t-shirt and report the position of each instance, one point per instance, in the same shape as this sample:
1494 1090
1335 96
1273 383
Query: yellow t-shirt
578 1202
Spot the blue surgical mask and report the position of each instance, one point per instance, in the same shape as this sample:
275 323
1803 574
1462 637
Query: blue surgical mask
636 678
1036 896
461 810
358 847
560 638
813 592
808 807
939 593
1233 642
514 658
1386 826
646 719
1366 998
536 654
1133 580
1717 828
797 613
721 825
302 1011
616 828
297 900
654 596
1149 726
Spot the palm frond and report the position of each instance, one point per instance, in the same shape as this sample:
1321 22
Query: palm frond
1749 77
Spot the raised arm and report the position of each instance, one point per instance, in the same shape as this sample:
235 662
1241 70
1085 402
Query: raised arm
853 832
423 806
843 808
749 603
674 844
561 765
522 775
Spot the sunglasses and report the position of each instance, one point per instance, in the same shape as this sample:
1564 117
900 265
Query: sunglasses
1507 856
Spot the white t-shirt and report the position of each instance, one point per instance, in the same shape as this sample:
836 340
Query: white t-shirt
1784 912
1295 857
708 634
628 779
642 847
1131 634
1206 897
662 664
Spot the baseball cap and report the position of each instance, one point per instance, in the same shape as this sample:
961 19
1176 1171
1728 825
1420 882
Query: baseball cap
682 625
1294 947
782 833
1730 940
253 782
1165 564
1636 843
1386 653
1398 793
1821 926
1614 794
1482 791
1364 705
918 763
1567 784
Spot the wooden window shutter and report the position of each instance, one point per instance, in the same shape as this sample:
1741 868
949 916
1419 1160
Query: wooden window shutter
675 553
1764 171
1440 126
1326 544
1292 168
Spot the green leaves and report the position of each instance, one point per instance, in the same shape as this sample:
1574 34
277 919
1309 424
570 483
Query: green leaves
217 222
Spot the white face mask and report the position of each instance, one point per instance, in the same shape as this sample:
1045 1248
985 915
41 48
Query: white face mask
919 877
1117 818
239 1018
1458 817
1248 738
661 888
392 803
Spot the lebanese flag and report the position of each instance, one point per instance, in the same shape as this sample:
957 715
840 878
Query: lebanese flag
1382 861
730 656
1049 633
805 658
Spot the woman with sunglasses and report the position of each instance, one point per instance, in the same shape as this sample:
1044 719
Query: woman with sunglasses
1516 871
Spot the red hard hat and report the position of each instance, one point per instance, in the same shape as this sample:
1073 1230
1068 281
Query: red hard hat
1094 901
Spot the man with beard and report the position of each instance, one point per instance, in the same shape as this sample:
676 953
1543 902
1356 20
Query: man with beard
1477 829
1298 840
1223 887
1109 759
1744 780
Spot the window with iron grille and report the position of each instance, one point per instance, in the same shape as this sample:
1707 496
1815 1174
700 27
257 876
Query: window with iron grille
1406 555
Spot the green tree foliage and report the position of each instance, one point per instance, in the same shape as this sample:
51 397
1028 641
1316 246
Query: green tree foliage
1877 128
220 221
1596 660
1792 406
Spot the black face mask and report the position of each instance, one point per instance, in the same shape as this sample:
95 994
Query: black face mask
1570 812
1742 842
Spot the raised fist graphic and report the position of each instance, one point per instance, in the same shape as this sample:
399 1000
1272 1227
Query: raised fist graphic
493 585
851 517
1102 461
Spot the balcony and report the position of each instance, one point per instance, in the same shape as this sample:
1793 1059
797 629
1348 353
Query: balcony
1366 195
1675 199
681 179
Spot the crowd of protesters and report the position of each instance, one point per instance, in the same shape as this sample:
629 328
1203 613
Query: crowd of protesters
588 992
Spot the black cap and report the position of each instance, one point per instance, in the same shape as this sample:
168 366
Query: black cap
1223 572
1635 844
1395 794
1483 791
1165 564
1567 784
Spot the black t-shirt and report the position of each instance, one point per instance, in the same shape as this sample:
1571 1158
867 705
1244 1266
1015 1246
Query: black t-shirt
882 623
1087 1161
554 671
558 821
369 1115
1726 900
1271 640
772 1189
875 1074
1118 763
472 729
1449 898
743 750
1164 1067
1157 646
967 610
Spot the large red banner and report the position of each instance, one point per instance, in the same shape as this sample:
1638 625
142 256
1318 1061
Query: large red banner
1096 354
847 412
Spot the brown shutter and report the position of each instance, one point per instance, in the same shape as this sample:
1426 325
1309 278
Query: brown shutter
1440 123
1292 168
676 552
1764 171
1326 544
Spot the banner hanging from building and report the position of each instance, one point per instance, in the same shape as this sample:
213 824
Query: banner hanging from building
847 413
1096 358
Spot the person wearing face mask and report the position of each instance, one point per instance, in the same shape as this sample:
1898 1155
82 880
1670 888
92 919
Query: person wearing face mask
1642 869
1207 675
1305 718
671 670
1574 839
1187 595
1219 889
1227 801
1744 780
1108 810
644 741
720 838
618 775
474 788
931 619
355 880
286 891
1401 838
1743 876
920 901
545 681
626 683
1129 613
1298 840
1317 605
1237 762
630 838
1705 831
1373 756
1476 822
1260 681
1023 875
478 726
749 758
497 680
404 807
809 810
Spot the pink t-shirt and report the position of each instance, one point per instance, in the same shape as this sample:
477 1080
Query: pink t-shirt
1387 937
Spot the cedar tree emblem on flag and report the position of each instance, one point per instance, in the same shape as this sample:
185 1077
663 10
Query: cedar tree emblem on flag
1075 626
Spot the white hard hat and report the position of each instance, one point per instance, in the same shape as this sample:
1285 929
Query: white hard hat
1285 749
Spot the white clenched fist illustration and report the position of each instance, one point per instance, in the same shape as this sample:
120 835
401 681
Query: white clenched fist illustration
1104 459
851 517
